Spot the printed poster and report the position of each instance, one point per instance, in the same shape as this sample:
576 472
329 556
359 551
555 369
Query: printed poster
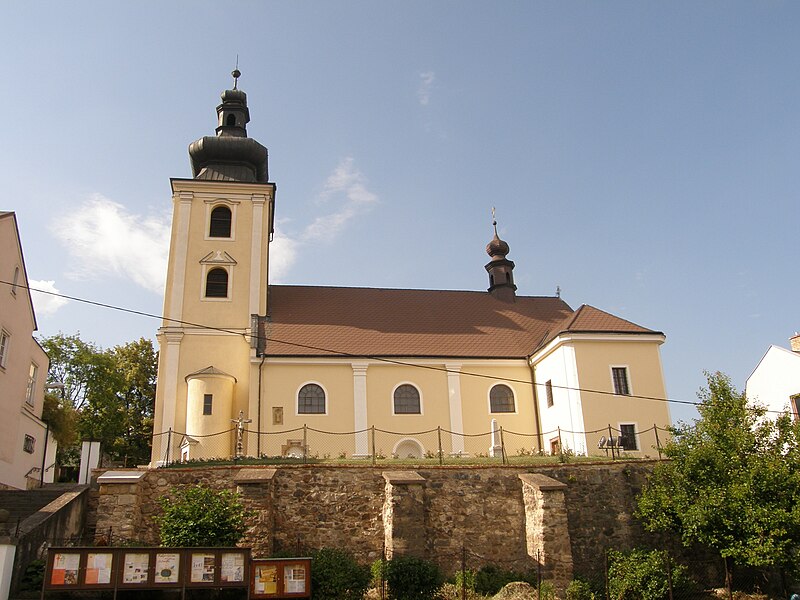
134 570
65 569
167 567
232 567
202 568
266 579
294 579
98 568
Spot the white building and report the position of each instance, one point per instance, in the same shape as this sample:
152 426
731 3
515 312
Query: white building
775 382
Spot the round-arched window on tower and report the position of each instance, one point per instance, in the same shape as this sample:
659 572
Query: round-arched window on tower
220 222
501 399
217 283
311 400
406 400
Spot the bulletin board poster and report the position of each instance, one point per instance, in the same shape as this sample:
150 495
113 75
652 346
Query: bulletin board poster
65 568
233 567
167 568
135 568
265 580
203 568
295 579
98 568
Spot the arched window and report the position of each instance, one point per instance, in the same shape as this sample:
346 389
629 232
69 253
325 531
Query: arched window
501 399
231 121
406 400
220 222
217 283
311 400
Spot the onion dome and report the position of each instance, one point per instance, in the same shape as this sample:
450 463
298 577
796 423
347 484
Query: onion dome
230 155
500 269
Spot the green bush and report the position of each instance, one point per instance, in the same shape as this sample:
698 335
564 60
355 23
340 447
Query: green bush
580 590
199 516
33 577
412 578
643 574
490 579
336 575
379 568
465 579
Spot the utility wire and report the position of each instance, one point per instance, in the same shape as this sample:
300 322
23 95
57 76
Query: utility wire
249 338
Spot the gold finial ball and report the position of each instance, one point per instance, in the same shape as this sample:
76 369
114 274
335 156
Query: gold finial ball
236 73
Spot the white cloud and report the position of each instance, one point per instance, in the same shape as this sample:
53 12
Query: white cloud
45 304
426 81
104 239
346 186
282 254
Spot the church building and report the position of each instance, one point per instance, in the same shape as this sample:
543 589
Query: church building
436 367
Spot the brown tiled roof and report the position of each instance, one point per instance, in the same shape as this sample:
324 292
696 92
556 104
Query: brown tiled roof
335 321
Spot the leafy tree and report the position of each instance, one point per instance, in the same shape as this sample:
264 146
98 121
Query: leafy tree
733 481
112 392
199 516
412 578
59 414
644 574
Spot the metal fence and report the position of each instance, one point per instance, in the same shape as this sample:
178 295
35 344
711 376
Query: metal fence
440 445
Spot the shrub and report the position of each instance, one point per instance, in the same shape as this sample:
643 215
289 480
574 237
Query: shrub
580 590
465 579
490 579
336 575
200 516
412 578
643 574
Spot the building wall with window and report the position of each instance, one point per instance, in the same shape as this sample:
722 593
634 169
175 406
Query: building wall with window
775 382
23 369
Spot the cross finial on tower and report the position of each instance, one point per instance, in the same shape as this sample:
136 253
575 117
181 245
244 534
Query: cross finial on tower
494 221
558 291
236 73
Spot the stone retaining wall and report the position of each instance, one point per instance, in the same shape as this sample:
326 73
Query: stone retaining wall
568 515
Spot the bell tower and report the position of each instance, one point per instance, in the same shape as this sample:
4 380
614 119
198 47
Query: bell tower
500 269
216 286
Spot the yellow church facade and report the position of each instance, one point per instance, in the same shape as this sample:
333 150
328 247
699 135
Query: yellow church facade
249 368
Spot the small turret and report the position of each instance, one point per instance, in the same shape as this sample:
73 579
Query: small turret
500 269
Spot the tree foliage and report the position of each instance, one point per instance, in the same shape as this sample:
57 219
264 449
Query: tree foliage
645 574
733 481
112 393
336 575
200 516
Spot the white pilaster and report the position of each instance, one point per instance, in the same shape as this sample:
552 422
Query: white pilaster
181 244
256 253
456 412
360 408
169 399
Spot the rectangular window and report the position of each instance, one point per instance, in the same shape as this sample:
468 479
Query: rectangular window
795 406
5 338
549 389
207 400
29 444
620 377
555 446
29 395
627 437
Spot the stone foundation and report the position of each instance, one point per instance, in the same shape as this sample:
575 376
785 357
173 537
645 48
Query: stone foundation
564 516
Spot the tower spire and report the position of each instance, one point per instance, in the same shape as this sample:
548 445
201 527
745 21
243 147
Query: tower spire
230 155
500 269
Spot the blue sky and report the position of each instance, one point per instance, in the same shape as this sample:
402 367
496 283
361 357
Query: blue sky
641 155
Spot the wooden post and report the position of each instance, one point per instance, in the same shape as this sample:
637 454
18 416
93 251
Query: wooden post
441 454
658 443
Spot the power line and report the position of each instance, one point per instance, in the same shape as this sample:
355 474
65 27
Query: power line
250 337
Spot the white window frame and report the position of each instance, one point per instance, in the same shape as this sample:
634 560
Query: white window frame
635 426
297 412
210 206
29 444
550 399
627 379
421 404
30 393
5 344
513 395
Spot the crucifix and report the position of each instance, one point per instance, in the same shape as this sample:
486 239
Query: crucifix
240 432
